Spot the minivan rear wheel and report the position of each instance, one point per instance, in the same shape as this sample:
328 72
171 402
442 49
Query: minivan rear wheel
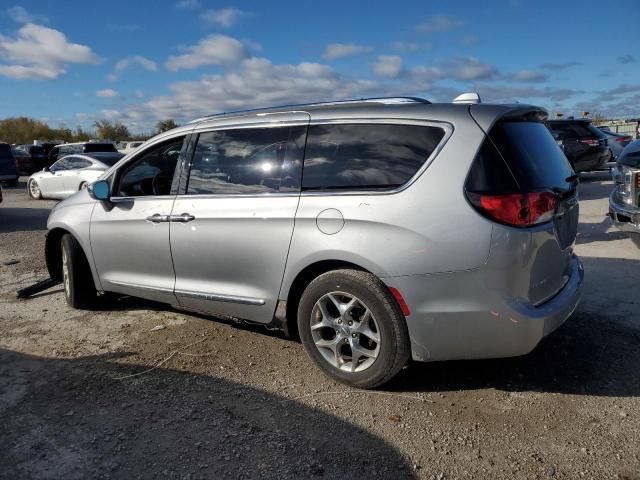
79 289
353 329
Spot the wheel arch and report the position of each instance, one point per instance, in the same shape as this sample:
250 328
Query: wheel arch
53 253
292 295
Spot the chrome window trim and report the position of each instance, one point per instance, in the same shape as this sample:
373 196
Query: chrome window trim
216 297
448 132
446 126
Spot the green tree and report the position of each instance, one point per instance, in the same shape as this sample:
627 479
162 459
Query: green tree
81 135
164 125
116 131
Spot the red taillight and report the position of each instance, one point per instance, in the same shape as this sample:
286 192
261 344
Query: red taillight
519 209
622 139
590 141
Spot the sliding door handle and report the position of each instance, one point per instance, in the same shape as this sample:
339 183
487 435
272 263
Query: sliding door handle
157 218
183 218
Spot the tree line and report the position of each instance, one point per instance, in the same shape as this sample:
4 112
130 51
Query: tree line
24 130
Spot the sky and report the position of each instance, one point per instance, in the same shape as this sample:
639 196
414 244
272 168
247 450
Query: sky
137 62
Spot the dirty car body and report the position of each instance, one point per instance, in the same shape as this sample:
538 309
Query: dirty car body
480 264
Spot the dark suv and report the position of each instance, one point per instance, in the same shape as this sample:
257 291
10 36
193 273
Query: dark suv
585 146
60 151
8 171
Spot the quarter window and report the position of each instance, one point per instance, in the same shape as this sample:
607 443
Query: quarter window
247 161
366 156
151 173
76 163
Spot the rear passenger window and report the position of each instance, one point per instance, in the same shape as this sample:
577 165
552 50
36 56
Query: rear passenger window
247 161
366 156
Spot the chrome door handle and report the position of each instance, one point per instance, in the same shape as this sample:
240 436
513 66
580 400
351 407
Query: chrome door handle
183 218
157 218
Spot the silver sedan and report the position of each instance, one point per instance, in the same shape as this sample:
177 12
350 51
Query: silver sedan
70 174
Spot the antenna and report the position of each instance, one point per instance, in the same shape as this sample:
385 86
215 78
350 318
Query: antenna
469 97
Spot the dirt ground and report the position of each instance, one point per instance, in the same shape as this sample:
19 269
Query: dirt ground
79 397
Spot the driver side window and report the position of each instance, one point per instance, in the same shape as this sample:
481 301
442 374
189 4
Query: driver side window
151 173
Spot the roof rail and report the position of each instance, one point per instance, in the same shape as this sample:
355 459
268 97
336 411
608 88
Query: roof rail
382 100
469 97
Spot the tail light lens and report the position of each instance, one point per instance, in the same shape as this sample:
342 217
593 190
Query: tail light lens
517 209
590 141
622 139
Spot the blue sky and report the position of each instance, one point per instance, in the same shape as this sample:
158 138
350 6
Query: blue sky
77 61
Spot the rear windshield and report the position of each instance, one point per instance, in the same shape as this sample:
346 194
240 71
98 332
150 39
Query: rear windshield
519 156
99 147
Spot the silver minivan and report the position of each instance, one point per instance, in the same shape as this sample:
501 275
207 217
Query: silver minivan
378 230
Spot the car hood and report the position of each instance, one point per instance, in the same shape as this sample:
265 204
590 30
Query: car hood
630 156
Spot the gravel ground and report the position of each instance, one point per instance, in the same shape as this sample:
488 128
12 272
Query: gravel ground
79 397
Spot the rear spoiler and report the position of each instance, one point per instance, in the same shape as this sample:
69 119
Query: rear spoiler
487 115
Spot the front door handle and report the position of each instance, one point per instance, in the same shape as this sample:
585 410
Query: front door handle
183 218
157 218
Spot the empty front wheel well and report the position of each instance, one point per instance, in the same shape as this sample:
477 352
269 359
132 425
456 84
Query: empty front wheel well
53 252
303 279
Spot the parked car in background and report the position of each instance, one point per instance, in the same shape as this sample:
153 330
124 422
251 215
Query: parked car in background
8 170
70 174
23 161
126 147
585 146
624 201
616 141
378 229
59 151
38 156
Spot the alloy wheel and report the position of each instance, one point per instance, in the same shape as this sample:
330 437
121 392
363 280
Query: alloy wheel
345 331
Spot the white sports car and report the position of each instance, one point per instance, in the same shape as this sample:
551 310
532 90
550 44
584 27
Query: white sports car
70 174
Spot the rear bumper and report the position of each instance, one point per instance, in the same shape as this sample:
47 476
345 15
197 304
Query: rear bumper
625 217
455 316
4 178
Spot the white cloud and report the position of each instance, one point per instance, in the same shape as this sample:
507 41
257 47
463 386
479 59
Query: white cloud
40 53
528 76
470 68
107 93
211 50
440 23
135 60
338 50
388 66
225 17
626 59
139 93
21 15
407 47
559 66
257 82
188 4
510 94
128 62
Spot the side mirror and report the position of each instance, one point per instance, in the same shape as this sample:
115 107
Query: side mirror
100 190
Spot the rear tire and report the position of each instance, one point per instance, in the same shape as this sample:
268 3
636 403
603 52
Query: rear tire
353 328
79 289
34 190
